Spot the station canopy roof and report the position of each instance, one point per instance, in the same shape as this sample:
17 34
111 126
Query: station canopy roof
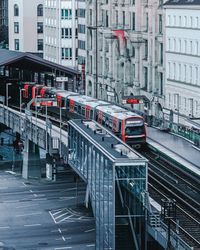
28 61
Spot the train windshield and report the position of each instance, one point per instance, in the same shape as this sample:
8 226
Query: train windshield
135 127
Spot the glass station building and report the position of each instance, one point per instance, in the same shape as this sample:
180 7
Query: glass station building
116 178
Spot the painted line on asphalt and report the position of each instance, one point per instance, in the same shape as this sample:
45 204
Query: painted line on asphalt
30 205
90 230
59 230
40 199
91 245
61 215
66 218
60 211
21 215
62 248
32 225
63 238
6 227
52 217
24 184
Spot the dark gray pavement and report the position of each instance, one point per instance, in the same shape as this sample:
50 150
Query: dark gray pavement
175 144
42 215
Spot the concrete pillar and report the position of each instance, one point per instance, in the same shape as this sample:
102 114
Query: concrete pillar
31 161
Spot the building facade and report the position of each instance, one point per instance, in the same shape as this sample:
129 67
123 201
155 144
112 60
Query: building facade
4 22
60 36
125 51
182 57
26 26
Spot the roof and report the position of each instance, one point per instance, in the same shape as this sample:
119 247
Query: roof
29 61
110 144
182 2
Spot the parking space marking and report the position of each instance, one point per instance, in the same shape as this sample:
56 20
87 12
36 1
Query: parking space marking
60 215
63 238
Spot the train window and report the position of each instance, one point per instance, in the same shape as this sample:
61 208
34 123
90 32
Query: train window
76 109
91 114
83 111
120 126
67 103
79 109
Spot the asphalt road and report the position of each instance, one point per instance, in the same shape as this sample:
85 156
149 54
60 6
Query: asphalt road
44 215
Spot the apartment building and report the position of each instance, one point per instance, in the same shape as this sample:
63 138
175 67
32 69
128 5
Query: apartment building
26 26
125 51
182 57
4 22
60 36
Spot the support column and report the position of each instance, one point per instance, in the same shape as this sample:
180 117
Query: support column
31 161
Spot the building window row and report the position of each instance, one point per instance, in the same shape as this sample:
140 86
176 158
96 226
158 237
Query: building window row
40 27
66 14
183 72
183 21
66 53
183 104
39 10
182 45
16 27
81 13
66 33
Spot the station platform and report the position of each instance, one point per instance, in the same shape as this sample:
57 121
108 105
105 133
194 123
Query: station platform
175 147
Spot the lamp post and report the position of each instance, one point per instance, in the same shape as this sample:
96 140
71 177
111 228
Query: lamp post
7 85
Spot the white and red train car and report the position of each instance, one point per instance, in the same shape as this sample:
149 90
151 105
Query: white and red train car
127 125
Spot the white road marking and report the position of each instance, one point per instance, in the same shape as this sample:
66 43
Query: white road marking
62 248
91 245
63 238
40 199
61 215
60 211
90 230
24 184
59 230
31 191
66 218
32 225
6 227
30 205
67 198
52 217
21 215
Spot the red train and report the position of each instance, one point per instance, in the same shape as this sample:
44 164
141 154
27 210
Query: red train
127 125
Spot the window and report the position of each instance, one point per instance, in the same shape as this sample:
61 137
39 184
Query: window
66 33
145 78
145 49
133 21
66 53
81 12
116 17
123 18
40 10
81 44
66 14
16 27
16 10
40 27
161 53
40 44
160 24
16 44
81 28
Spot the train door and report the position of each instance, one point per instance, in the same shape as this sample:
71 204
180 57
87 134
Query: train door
71 105
87 112
100 117
114 125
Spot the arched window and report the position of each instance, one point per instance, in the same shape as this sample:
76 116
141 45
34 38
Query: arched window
40 10
16 10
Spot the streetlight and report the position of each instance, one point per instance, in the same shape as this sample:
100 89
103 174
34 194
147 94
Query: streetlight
7 84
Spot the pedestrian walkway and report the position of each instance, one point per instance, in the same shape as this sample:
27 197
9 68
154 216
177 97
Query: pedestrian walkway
175 147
